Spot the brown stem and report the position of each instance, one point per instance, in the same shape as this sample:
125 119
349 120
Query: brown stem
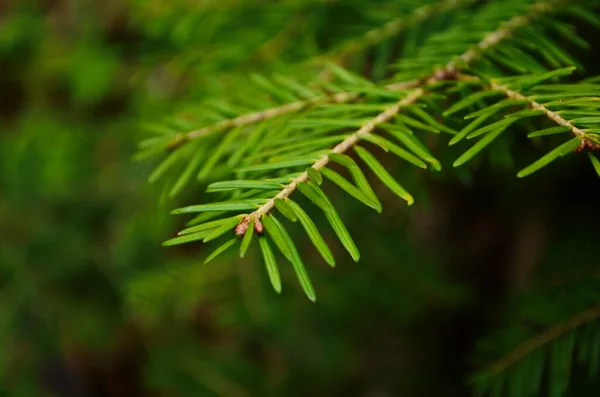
255 117
545 337
557 118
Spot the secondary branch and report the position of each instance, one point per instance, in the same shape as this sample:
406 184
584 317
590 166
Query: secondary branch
545 337
557 118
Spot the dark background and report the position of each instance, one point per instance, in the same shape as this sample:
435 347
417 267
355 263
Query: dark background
92 305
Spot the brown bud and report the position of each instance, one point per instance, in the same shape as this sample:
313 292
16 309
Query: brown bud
445 74
241 227
586 144
593 146
258 226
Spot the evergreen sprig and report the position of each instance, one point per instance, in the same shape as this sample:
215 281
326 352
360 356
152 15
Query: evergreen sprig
499 66
550 353
550 331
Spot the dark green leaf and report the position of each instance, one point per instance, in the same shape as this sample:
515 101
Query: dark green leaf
478 147
278 165
287 247
359 178
595 163
339 228
215 155
285 209
270 263
207 225
560 151
187 174
350 188
309 190
525 113
412 143
242 184
221 249
295 86
188 238
314 175
251 140
498 125
468 129
265 84
397 150
226 227
416 123
537 79
586 120
584 14
165 165
204 217
337 123
244 205
347 76
382 174
470 100
247 239
497 107
550 131
313 233
432 121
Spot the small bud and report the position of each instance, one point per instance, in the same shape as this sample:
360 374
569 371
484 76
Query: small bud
241 227
445 74
258 226
586 144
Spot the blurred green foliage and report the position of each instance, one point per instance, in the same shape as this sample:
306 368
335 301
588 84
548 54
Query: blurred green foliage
92 305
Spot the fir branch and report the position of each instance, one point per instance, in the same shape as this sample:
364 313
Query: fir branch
279 156
491 40
447 72
555 117
341 148
531 103
256 117
546 337
251 118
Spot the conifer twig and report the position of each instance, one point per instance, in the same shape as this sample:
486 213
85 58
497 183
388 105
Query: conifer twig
531 103
545 337
341 148
270 113
255 117
494 38
250 118
447 72
557 118
373 36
